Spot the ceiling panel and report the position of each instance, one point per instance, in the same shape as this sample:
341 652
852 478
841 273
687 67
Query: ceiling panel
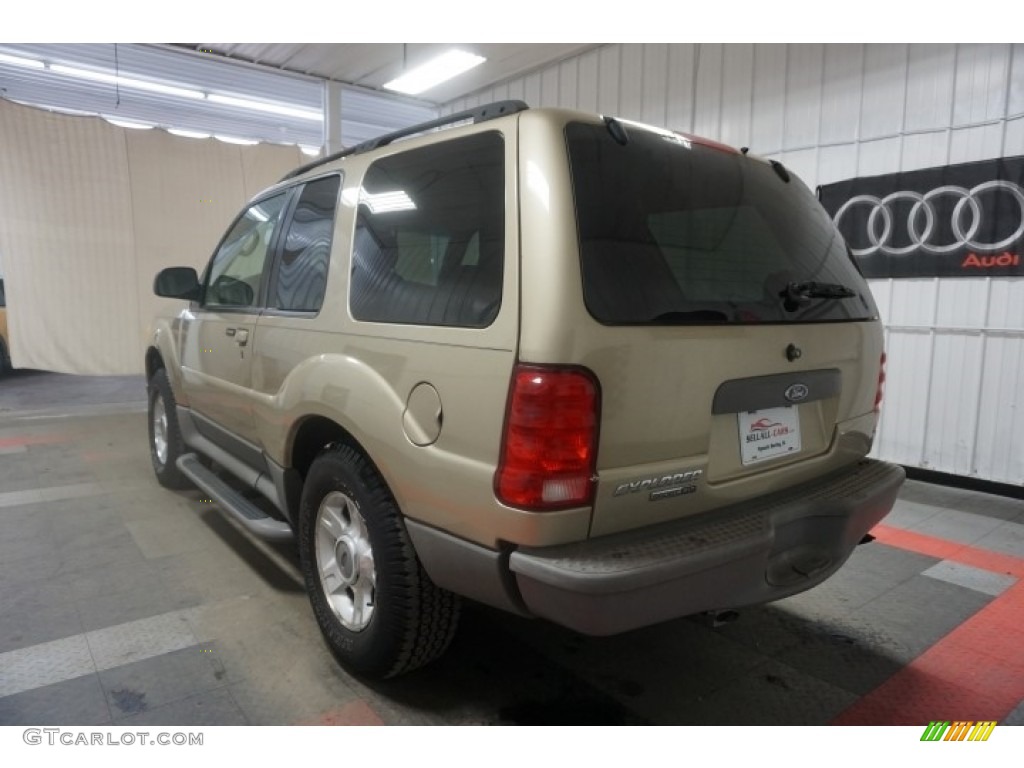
365 114
373 64
288 74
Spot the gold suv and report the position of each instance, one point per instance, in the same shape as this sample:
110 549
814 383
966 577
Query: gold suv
567 365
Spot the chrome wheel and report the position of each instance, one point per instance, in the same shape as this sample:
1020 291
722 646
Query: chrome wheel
344 560
160 430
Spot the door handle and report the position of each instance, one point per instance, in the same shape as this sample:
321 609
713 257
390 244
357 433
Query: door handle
242 337
229 331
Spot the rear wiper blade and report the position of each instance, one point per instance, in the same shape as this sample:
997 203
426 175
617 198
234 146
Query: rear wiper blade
796 295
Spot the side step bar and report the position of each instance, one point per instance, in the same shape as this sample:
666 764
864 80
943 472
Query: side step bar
232 503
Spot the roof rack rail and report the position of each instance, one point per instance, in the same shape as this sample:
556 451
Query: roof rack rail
477 115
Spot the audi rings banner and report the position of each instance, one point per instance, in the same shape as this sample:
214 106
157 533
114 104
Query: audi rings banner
955 221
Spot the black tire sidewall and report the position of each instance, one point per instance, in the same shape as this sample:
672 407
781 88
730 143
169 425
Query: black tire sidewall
167 473
374 650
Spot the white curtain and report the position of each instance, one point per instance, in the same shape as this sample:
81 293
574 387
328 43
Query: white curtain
89 212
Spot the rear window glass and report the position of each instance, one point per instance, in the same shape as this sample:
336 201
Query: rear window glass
430 234
676 232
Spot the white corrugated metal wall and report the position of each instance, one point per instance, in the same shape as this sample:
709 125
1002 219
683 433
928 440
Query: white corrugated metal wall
955 399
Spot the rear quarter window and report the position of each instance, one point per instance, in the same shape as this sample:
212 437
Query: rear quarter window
430 234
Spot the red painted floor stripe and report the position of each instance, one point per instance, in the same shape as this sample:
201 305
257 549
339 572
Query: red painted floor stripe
354 713
976 672
13 442
950 550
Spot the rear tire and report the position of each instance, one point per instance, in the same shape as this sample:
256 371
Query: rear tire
377 608
165 441
5 359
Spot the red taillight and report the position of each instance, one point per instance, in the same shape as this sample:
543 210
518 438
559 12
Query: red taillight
549 448
880 391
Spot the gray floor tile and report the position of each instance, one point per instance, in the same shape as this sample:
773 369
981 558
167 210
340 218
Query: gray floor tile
35 666
154 682
34 540
913 616
141 639
36 612
872 570
907 514
1007 539
295 696
961 499
977 579
78 522
844 653
144 597
79 701
652 667
29 566
962 527
20 526
103 549
771 694
1016 717
169 535
215 707
214 579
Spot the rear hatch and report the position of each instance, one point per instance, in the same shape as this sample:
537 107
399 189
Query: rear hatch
736 344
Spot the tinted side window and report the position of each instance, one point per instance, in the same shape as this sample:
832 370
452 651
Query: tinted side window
430 234
3 297
300 277
234 274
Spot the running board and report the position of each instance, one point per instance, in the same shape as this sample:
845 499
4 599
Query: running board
232 503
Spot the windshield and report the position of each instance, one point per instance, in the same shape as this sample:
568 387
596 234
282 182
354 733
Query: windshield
675 232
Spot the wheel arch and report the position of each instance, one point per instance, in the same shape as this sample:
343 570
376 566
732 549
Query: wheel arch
154 362
311 435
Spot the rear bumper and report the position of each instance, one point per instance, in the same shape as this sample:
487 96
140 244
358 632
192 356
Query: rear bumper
755 552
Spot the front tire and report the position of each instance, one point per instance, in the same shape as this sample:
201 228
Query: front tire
377 608
165 441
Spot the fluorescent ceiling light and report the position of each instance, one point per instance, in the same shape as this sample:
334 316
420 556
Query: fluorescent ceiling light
126 82
264 106
20 61
188 134
312 151
127 123
436 71
386 202
235 140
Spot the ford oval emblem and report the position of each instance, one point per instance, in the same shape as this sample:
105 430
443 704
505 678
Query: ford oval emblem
796 392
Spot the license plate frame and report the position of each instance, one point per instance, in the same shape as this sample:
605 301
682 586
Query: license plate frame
768 433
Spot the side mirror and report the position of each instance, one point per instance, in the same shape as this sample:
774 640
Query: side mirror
178 283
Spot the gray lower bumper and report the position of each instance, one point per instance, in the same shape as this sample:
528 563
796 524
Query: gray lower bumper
752 553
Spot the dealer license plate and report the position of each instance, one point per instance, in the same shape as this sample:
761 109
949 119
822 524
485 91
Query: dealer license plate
768 433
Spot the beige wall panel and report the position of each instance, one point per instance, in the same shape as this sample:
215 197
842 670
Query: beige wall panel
185 193
266 166
89 212
65 213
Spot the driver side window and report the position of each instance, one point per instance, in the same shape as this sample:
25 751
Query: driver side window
236 270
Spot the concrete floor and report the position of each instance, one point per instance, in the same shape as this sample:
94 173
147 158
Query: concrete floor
124 603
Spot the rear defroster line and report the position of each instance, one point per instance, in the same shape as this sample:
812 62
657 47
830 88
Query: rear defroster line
976 672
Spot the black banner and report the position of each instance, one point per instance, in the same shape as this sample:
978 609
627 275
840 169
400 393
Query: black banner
962 220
